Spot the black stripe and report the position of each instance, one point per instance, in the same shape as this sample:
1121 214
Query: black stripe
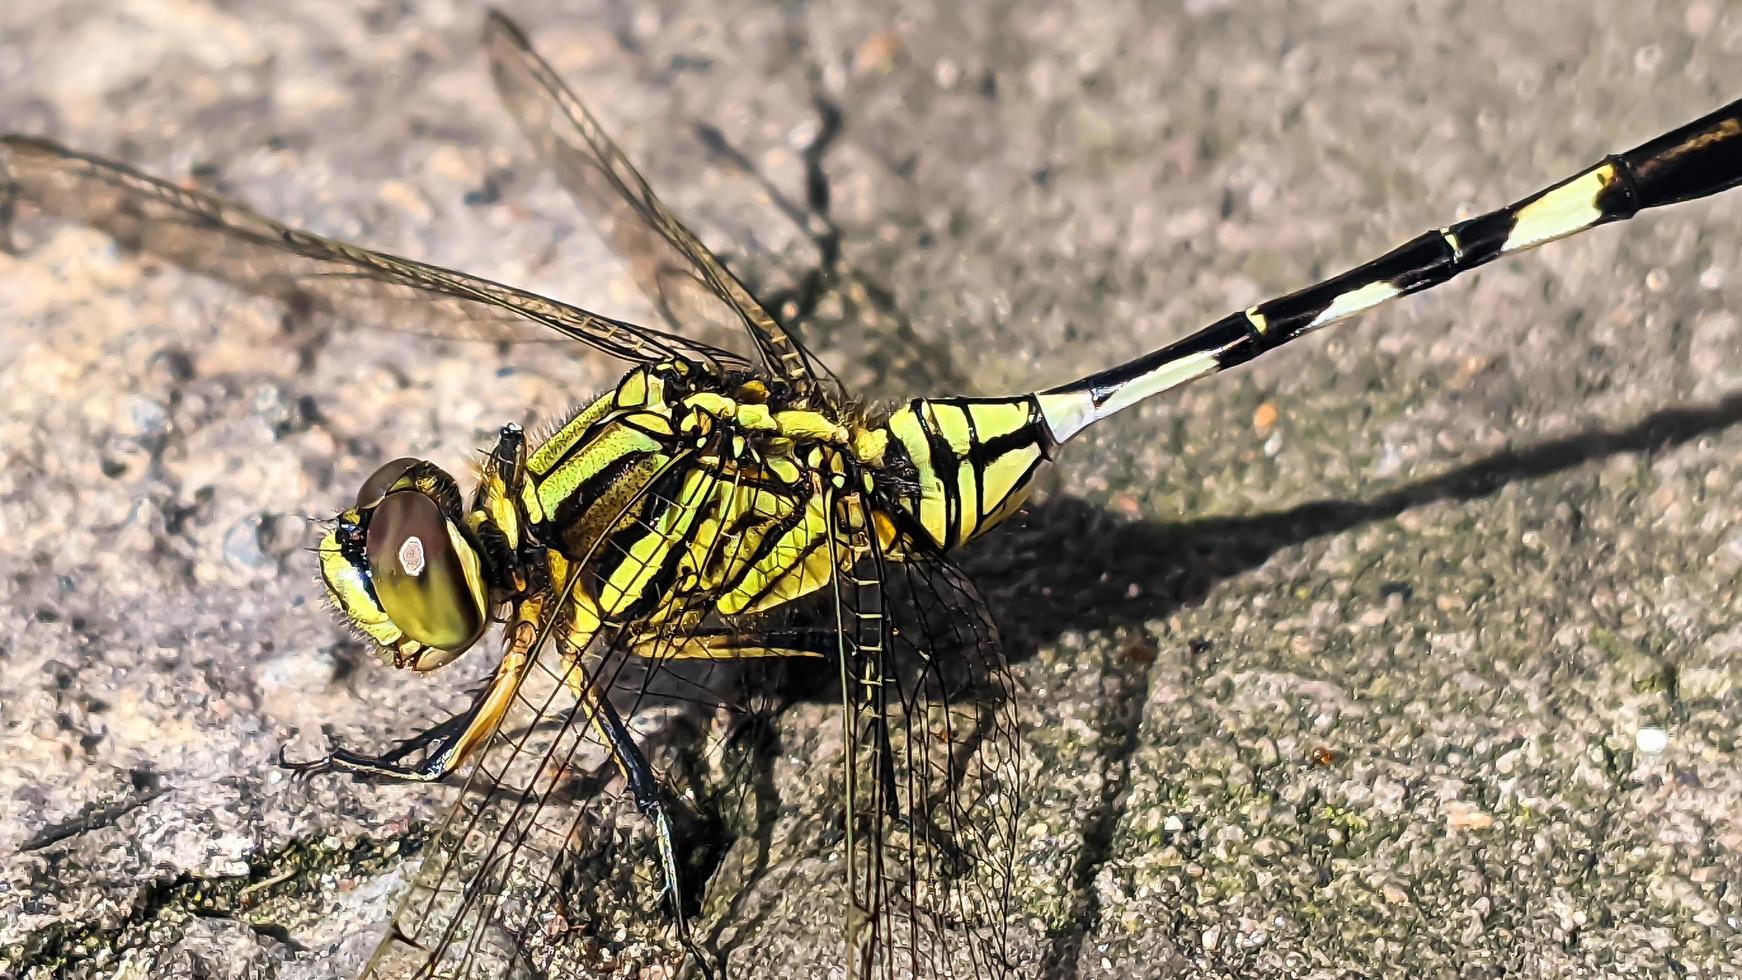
581 443
351 539
618 543
1481 238
940 450
775 580
966 400
571 509
769 543
1701 158
1231 339
676 550
776 532
985 451
969 462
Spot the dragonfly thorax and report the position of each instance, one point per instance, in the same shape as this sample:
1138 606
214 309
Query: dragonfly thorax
676 490
682 491
679 492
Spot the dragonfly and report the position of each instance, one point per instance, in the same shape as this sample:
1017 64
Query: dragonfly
720 509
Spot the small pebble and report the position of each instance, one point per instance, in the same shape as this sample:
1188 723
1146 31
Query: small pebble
1651 740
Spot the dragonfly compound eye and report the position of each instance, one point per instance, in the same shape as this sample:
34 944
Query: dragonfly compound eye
426 575
382 480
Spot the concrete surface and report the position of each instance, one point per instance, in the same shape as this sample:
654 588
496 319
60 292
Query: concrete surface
1413 650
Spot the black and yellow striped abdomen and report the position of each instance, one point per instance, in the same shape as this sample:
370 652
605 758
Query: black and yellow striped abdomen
973 461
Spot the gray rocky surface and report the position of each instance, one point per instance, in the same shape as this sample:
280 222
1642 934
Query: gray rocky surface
1413 650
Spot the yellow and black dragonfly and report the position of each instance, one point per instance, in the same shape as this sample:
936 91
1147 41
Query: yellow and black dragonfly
714 512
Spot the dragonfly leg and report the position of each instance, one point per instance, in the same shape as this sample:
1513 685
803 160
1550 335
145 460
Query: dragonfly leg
9 195
643 785
449 744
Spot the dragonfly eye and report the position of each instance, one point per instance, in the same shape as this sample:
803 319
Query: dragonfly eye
382 480
426 575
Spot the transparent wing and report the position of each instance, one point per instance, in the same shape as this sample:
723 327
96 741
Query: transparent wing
536 874
229 242
537 870
938 785
895 849
688 284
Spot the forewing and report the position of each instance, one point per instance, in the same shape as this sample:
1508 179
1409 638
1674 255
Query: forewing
229 242
687 282
534 871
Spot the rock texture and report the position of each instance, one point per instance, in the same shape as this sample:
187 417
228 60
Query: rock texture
1413 650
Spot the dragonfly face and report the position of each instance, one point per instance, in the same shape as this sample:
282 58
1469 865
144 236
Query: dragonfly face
401 566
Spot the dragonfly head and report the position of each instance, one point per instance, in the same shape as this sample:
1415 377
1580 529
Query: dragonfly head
401 566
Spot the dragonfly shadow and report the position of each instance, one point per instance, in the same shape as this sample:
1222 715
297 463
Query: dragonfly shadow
1124 573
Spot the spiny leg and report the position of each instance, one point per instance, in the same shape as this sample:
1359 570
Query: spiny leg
450 743
627 755
643 785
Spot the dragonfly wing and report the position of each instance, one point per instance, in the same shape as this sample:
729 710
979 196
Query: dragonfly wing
534 866
535 871
214 237
936 790
686 281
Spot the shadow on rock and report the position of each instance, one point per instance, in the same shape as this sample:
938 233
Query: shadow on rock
1072 566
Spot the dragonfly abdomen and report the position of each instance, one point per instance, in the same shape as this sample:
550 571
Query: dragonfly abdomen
973 461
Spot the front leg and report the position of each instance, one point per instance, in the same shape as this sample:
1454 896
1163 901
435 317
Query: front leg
447 745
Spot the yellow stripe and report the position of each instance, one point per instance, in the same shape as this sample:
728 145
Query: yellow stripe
951 422
1006 485
986 490
1561 211
629 580
607 448
632 390
967 501
905 426
565 438
1451 239
1354 301
498 507
998 418
797 565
